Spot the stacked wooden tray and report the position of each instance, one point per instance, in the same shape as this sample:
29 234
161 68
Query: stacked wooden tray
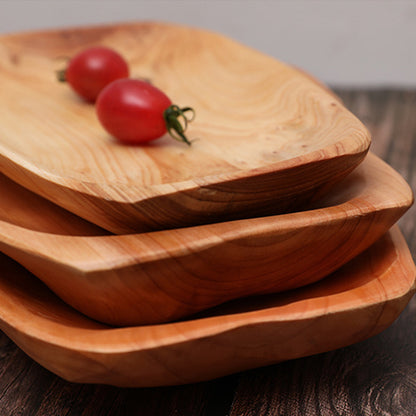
267 239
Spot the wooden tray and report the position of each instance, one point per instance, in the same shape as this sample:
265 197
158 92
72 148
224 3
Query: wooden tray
356 302
162 276
268 136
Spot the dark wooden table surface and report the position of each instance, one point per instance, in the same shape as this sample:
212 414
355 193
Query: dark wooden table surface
374 377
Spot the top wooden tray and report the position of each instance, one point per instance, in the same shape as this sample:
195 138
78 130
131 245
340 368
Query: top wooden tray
268 135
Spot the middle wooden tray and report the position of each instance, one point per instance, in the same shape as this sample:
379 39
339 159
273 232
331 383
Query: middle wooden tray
162 276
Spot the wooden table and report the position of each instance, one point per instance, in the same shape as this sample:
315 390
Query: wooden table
374 377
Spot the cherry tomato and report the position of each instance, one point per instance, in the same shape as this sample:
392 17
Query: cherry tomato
91 70
135 112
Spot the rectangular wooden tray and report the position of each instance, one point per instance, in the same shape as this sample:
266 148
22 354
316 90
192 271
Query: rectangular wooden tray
356 302
162 276
268 137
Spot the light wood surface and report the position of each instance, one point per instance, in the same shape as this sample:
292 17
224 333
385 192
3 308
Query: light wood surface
161 276
354 303
267 137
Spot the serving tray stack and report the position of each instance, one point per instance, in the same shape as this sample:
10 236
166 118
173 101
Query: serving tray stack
269 238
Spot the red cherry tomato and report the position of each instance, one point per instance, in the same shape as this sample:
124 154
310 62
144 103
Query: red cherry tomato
93 69
135 112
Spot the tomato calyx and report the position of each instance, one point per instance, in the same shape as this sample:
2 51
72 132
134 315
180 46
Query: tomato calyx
61 75
174 127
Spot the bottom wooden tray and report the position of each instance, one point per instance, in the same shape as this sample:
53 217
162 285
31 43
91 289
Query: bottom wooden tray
354 303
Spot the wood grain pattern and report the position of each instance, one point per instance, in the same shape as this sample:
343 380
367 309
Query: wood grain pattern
354 303
269 137
376 376
162 276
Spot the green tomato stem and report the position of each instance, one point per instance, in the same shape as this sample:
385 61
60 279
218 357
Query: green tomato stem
174 127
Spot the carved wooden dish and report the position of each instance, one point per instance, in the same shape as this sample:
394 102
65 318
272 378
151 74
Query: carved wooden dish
268 137
356 302
162 276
